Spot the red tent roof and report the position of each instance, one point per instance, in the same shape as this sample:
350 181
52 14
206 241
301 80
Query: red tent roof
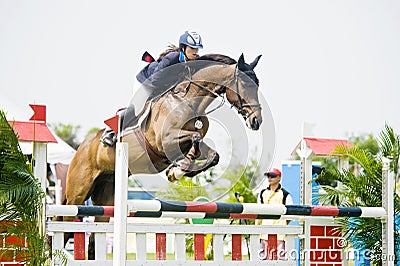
32 131
322 147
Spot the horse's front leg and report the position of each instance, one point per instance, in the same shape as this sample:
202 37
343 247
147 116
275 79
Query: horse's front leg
210 156
188 166
176 171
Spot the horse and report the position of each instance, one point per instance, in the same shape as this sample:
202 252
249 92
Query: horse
170 138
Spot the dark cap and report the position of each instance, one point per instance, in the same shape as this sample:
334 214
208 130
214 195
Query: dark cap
274 172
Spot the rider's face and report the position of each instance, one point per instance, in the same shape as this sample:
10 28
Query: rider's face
191 53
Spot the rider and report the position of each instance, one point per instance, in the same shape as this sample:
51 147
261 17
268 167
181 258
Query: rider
189 44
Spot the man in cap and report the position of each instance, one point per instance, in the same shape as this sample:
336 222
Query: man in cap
273 194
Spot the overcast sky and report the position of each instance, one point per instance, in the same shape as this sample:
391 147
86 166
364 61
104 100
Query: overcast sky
335 64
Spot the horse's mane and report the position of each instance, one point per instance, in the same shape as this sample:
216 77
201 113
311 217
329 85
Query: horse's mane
229 61
218 58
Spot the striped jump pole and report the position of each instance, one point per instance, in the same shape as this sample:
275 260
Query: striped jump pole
178 209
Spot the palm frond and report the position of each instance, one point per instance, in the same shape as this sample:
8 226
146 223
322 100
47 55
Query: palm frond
389 144
20 198
387 141
363 188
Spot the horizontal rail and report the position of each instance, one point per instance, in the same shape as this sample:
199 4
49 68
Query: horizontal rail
175 263
174 228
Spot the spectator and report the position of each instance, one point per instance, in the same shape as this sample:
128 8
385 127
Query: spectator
273 194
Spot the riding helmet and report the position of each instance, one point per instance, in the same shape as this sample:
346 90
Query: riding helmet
192 39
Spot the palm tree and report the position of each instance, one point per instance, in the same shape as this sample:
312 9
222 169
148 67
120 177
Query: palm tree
363 189
390 148
20 200
240 181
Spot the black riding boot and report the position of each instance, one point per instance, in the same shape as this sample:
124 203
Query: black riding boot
109 137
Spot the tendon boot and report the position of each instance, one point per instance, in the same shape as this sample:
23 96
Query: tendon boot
108 138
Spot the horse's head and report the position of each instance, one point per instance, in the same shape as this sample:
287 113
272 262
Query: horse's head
243 93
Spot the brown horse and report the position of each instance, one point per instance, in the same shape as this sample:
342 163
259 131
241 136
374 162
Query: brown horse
171 135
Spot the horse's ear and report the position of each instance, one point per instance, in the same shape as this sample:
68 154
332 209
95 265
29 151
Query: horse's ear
241 62
255 62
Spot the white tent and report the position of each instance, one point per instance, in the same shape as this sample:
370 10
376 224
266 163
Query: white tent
59 152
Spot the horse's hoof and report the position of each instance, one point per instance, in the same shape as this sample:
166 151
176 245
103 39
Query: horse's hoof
178 173
171 179
174 174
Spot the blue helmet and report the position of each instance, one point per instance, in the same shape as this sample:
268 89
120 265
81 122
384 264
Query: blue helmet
192 39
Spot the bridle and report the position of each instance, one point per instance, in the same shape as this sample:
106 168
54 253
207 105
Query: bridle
240 108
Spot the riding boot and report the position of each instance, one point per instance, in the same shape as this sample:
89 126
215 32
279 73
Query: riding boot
109 137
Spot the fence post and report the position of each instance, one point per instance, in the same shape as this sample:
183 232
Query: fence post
305 154
161 246
79 244
40 172
388 221
272 247
236 247
120 203
198 246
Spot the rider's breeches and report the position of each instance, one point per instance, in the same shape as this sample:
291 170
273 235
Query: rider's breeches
140 95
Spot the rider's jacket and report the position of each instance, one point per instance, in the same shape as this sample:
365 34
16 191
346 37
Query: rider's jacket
145 75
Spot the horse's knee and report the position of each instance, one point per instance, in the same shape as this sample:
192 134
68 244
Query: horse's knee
197 138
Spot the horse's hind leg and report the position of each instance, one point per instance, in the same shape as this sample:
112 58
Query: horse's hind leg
78 188
103 195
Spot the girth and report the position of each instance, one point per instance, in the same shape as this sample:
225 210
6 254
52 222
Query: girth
153 154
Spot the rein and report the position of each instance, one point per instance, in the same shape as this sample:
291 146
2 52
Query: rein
210 91
240 108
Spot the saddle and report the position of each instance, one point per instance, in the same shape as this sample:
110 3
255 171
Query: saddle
130 121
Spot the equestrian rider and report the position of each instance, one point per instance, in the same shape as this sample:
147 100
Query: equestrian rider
150 84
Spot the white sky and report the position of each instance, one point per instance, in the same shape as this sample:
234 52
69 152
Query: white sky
332 63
